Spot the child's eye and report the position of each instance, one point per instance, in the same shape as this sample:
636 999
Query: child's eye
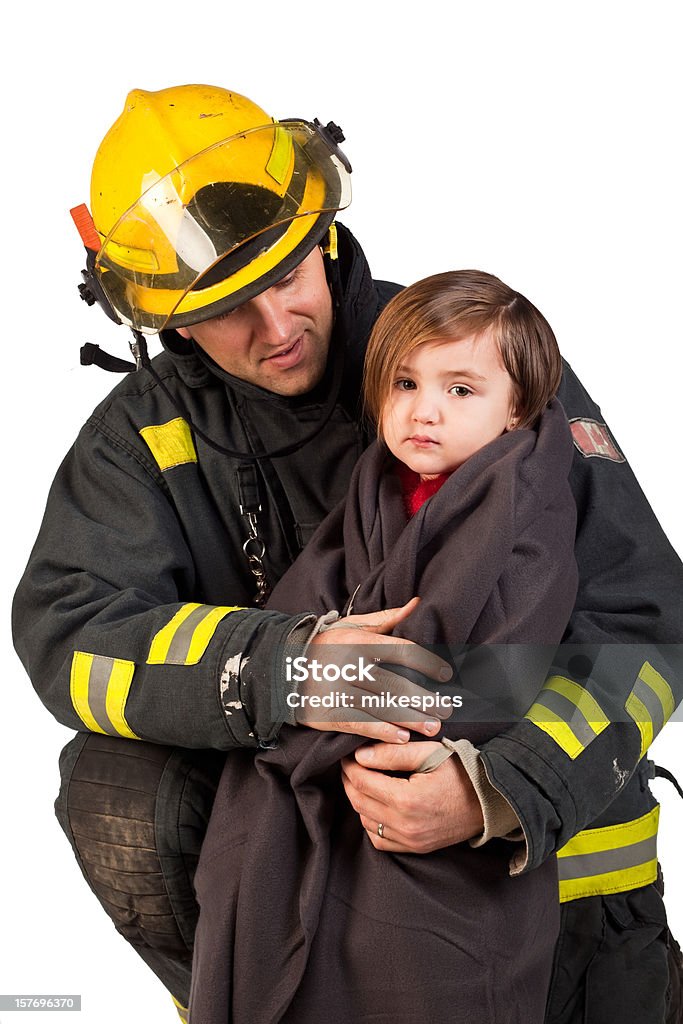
460 391
404 384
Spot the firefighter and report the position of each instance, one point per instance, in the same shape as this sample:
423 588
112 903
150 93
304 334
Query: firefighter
194 485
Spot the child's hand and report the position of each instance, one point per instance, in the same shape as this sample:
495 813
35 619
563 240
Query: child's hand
377 622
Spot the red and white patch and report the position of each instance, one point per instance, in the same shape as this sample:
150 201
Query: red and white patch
594 440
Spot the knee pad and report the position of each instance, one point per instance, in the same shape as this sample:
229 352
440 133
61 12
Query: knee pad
135 814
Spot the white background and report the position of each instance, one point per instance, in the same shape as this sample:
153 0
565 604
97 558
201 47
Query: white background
536 140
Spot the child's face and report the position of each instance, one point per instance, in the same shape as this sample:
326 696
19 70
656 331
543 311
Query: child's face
447 400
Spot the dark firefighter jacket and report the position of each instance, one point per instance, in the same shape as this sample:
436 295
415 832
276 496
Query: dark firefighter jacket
137 593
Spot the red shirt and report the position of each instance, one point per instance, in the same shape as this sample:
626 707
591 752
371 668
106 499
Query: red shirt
415 490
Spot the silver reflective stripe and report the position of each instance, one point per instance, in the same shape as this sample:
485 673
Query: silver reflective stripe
180 644
587 864
569 713
653 704
100 673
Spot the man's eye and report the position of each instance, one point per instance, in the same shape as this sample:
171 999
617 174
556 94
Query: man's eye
283 282
460 391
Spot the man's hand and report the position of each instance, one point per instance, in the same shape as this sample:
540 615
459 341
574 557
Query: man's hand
340 649
419 814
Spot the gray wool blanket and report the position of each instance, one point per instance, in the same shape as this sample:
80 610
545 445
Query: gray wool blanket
302 920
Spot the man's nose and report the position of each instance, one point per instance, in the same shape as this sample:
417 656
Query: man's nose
273 319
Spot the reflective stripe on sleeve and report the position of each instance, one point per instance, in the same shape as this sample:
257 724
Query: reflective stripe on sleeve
568 714
182 1010
616 858
650 704
99 691
184 639
170 443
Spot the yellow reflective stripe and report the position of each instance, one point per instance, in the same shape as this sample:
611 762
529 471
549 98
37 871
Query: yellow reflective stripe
569 714
170 443
331 249
281 156
659 685
182 1010
650 704
581 698
99 689
612 837
615 858
184 639
117 694
203 633
158 652
556 728
641 716
80 674
611 881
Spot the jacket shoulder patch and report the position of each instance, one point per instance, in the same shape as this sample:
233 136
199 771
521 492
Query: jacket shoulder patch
170 443
594 440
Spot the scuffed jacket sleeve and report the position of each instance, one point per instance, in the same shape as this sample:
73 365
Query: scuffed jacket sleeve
111 630
618 674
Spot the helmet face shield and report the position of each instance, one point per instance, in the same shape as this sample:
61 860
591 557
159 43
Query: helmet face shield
220 223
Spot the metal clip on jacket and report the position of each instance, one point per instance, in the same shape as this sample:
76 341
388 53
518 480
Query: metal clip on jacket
253 547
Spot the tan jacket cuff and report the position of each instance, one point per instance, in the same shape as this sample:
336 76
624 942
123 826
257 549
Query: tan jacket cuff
500 820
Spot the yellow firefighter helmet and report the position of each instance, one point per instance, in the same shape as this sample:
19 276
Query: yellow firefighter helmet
201 201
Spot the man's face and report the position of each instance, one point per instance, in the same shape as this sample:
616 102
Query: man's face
447 400
278 340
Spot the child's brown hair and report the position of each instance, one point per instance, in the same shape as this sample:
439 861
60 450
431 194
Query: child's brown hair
455 305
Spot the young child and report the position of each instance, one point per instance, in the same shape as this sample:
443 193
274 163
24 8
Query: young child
464 502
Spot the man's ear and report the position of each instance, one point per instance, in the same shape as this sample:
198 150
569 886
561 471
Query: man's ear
184 333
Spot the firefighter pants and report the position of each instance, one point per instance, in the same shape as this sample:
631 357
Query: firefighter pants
615 962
